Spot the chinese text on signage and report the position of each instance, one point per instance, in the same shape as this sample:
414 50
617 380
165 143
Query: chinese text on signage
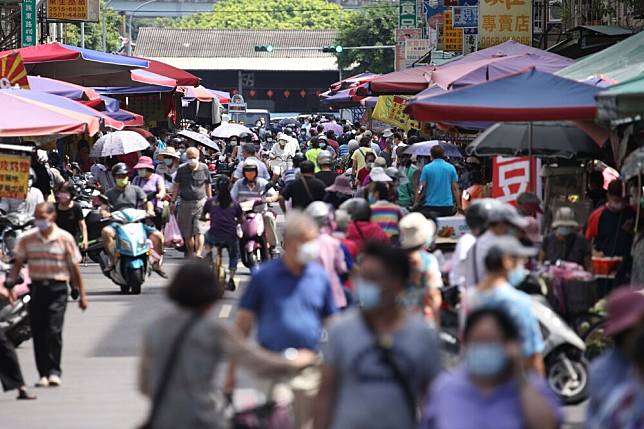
452 37
511 177
502 20
14 175
407 17
390 109
28 23
73 10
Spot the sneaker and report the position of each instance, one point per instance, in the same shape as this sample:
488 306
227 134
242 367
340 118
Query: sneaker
231 286
54 380
43 382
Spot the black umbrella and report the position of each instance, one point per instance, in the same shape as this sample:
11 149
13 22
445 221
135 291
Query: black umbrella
288 121
542 139
199 138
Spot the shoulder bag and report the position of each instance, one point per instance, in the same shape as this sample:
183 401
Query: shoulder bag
168 370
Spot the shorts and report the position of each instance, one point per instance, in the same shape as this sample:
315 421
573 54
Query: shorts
231 245
188 215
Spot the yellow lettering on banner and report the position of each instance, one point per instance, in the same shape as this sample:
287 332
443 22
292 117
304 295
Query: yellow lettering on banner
505 22
522 23
489 23
510 3
14 174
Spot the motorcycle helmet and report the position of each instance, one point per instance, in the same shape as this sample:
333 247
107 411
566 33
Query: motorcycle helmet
245 137
357 208
324 158
120 169
320 212
297 159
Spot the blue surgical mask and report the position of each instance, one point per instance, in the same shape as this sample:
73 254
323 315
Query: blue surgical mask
322 145
517 275
485 360
368 293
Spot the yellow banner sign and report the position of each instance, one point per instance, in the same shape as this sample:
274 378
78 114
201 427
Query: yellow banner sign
502 20
452 37
390 109
14 175
73 10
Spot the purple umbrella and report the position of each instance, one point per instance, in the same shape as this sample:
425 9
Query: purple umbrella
333 126
424 149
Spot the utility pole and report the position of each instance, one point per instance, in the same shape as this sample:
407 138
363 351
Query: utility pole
82 34
104 25
129 32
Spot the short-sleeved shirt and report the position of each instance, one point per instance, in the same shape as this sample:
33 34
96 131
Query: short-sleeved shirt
455 402
192 183
572 248
150 184
612 231
519 307
437 178
68 219
48 258
223 220
359 157
289 309
132 197
387 215
327 176
297 192
364 378
261 167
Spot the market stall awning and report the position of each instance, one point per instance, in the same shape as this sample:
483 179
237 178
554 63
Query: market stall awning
416 79
463 73
72 64
341 99
349 82
23 116
204 94
528 96
182 77
623 100
62 89
620 62
147 77
131 90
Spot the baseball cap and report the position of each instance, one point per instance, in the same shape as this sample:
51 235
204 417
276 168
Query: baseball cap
511 246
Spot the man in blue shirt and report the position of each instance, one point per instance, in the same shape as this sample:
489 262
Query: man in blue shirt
288 299
439 186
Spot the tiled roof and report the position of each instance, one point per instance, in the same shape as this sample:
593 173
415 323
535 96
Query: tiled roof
155 42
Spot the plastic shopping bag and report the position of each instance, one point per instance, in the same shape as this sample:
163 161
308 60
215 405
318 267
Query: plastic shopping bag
172 234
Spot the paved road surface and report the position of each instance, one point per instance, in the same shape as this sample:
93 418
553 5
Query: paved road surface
100 359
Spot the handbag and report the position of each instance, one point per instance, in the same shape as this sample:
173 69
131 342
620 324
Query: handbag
168 369
172 233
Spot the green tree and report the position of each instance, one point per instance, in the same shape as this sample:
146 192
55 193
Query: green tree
370 26
267 15
94 31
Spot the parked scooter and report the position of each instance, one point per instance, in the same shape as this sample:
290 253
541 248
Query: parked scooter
132 250
563 354
12 226
14 318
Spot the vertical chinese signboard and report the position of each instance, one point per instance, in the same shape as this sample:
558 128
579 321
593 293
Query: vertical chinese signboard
502 20
408 14
402 35
512 176
28 23
415 49
14 175
452 37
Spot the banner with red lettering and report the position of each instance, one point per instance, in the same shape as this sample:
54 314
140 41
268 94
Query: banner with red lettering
512 176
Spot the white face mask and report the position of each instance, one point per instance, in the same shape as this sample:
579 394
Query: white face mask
193 162
308 252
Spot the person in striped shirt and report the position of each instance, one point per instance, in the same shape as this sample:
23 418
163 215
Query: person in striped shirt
383 212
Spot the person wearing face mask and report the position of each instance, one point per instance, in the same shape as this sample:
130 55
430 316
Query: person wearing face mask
314 151
384 213
150 182
70 216
168 165
502 219
192 188
288 300
232 148
565 242
490 388
280 156
406 191
249 154
363 173
26 208
127 196
504 263
53 259
379 359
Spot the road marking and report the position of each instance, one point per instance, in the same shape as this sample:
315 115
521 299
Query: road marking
225 311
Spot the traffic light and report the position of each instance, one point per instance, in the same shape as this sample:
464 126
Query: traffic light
332 49
264 48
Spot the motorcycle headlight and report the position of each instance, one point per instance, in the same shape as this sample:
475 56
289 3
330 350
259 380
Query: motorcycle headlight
126 246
